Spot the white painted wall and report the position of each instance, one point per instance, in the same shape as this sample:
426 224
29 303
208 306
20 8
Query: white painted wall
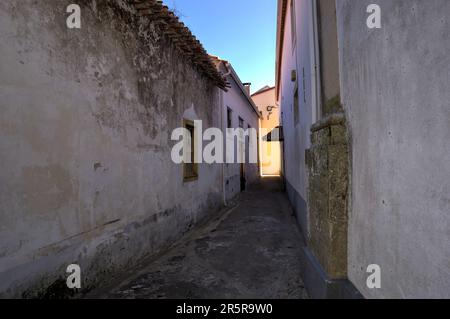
395 89
238 102
297 137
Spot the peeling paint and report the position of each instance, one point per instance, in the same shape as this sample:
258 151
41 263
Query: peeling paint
85 144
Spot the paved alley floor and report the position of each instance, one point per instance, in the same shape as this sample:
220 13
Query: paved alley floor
251 251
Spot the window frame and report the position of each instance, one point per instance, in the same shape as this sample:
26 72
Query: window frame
189 125
241 122
229 117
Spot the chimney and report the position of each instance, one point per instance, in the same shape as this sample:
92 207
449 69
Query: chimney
247 87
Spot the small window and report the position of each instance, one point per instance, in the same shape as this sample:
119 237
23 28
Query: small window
229 118
241 145
190 168
241 122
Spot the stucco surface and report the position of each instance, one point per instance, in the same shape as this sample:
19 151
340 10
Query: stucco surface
85 124
395 90
270 151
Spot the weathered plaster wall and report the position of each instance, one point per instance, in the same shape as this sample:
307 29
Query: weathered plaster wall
85 123
395 90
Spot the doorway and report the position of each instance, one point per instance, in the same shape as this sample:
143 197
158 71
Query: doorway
243 180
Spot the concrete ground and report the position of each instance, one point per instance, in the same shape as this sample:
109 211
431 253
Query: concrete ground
250 251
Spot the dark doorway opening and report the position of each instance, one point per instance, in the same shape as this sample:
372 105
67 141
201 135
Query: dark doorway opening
243 180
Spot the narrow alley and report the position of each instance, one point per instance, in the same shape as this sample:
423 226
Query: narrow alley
140 142
251 250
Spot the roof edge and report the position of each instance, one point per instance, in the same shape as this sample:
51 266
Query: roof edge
263 90
180 36
281 18
238 82
243 90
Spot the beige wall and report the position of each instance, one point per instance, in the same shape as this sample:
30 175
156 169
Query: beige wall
270 151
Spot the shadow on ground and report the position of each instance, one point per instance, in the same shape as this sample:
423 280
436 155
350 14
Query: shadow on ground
251 251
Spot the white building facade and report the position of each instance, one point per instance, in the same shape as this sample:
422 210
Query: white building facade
238 111
386 89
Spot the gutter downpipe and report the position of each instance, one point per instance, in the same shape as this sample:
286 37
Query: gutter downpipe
316 65
222 110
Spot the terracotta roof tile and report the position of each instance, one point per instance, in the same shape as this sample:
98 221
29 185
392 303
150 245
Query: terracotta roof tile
181 37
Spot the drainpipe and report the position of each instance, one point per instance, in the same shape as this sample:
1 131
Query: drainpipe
316 55
224 196
224 127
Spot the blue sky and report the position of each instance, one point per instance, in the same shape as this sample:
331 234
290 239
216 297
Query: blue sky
240 31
